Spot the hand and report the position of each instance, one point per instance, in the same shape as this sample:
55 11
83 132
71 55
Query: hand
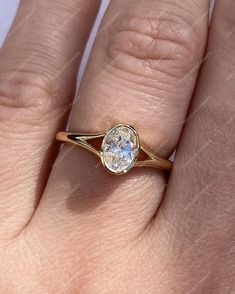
73 228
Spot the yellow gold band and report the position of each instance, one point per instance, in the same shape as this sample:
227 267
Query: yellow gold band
120 149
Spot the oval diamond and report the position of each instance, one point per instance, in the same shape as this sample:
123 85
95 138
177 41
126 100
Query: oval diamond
120 148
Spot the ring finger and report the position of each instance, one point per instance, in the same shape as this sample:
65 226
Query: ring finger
142 71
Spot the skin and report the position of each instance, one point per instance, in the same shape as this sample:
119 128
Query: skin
67 226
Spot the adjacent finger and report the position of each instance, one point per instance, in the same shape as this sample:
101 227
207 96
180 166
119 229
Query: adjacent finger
39 61
200 203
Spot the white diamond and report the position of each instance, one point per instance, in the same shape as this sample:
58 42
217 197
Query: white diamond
120 149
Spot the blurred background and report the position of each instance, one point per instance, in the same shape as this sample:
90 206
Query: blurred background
7 12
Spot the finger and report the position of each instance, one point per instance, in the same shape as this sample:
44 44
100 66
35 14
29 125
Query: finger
142 71
39 63
200 200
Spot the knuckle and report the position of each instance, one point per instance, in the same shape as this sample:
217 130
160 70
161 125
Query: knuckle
27 96
163 42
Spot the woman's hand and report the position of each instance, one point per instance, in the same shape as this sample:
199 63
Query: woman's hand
73 228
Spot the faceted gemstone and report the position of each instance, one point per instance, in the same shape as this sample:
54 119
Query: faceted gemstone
120 149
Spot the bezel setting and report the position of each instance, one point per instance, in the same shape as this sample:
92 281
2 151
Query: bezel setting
120 149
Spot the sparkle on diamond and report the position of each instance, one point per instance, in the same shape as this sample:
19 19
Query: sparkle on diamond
120 149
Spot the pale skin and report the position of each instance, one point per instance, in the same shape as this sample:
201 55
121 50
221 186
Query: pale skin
66 225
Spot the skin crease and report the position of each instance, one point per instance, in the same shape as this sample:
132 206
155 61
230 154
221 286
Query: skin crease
74 228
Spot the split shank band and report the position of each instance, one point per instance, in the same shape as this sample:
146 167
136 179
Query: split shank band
120 149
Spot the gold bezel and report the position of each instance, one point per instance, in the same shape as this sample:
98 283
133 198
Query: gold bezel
137 146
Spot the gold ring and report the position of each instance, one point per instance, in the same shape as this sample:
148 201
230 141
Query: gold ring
119 149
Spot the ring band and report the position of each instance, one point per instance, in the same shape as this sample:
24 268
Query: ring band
120 149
